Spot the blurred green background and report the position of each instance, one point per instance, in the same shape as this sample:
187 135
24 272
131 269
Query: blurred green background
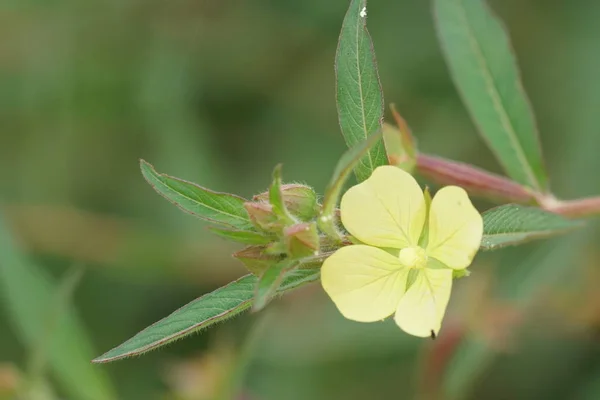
218 92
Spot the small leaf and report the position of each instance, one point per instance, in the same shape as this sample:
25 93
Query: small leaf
221 208
207 310
276 198
327 218
269 282
359 94
478 52
245 237
512 224
29 297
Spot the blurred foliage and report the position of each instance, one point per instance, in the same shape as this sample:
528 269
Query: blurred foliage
218 92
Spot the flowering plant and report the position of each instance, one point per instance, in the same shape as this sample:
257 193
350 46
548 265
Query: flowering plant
395 250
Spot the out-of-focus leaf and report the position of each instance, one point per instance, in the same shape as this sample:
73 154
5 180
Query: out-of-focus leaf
221 208
269 282
62 299
211 308
513 224
359 94
590 390
246 237
478 52
531 277
347 162
28 295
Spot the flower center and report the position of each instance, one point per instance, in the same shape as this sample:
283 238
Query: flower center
413 257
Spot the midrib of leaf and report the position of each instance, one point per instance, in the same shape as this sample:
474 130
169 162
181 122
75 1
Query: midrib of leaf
496 98
165 184
360 89
245 296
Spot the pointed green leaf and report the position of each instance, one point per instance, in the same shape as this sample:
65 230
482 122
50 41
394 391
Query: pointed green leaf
481 61
276 198
350 159
359 94
245 237
268 283
29 297
207 310
221 208
513 224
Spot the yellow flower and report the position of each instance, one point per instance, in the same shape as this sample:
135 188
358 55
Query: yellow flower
411 248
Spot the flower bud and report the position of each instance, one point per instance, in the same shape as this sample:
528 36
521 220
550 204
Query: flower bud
255 259
395 147
262 216
302 240
300 200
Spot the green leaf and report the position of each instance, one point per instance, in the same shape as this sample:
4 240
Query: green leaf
351 158
30 299
207 310
482 64
276 198
359 94
245 237
268 283
222 208
513 224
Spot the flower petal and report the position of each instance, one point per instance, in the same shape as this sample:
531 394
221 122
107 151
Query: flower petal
421 309
364 282
386 210
455 228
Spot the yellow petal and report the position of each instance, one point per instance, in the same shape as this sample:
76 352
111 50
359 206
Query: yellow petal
421 310
386 210
364 282
455 228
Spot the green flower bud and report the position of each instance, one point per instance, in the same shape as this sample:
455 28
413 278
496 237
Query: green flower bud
256 259
302 240
262 216
300 200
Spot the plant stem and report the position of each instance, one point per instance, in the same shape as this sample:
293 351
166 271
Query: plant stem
474 180
579 208
482 183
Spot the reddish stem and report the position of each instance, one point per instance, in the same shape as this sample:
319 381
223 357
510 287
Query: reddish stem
585 207
474 180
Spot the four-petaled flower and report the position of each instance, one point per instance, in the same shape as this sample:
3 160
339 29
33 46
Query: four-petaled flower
409 253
